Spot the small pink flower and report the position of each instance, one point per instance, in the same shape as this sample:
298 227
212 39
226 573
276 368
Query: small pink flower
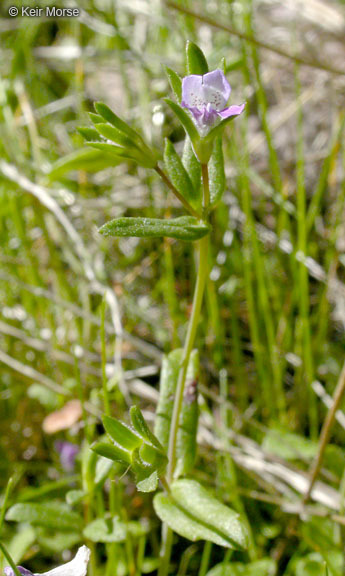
206 98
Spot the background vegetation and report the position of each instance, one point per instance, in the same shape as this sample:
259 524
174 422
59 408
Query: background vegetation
272 332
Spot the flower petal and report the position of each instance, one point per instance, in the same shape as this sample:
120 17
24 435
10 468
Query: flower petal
76 567
217 81
8 571
209 115
199 91
191 86
232 111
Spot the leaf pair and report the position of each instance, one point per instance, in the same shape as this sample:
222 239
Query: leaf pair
135 447
117 139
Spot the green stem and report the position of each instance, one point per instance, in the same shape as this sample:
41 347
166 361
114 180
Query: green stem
4 505
167 540
206 185
205 558
188 347
191 332
170 185
9 559
106 399
307 375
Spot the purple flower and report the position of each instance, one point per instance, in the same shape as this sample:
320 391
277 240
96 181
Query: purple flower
68 453
206 98
24 571
76 567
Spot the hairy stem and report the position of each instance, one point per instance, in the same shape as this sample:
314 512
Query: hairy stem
191 332
188 347
206 187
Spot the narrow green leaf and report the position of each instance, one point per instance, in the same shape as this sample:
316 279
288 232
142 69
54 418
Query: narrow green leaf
179 175
216 172
194 513
115 135
49 490
89 133
110 116
88 159
121 433
4 502
175 83
96 118
48 514
185 228
196 61
185 120
112 452
145 156
192 165
147 160
142 428
222 65
112 150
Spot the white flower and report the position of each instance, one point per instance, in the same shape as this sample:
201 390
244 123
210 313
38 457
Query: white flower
76 567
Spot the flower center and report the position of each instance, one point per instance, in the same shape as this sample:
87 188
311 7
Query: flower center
204 97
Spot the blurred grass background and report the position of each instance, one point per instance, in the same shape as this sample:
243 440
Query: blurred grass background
272 333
